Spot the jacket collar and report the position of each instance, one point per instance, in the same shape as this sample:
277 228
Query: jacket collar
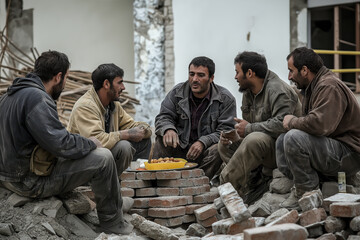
266 80
96 98
323 70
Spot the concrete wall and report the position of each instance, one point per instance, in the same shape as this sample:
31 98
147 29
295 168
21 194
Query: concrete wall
90 32
221 29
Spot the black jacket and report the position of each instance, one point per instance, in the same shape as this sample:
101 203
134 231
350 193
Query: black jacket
28 117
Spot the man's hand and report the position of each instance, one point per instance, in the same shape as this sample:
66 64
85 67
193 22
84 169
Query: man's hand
229 137
171 138
195 150
287 120
240 126
135 134
96 141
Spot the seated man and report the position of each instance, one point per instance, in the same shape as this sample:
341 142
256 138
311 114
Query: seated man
325 140
39 158
266 100
192 116
98 113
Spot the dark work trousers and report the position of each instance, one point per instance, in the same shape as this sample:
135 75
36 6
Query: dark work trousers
98 168
302 157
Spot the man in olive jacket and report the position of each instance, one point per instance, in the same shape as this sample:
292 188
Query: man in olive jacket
191 117
266 100
31 130
98 113
325 140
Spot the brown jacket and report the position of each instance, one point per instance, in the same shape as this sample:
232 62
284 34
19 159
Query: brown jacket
330 109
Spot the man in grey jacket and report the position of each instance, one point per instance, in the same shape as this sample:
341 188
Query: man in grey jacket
251 148
31 133
191 117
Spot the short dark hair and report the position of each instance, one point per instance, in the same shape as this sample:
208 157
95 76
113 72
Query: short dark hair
105 71
205 62
50 63
254 61
304 56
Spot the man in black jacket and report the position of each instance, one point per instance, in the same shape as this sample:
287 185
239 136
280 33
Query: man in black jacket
31 133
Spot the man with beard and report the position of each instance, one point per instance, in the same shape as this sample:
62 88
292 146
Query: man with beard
191 117
39 158
325 140
98 113
249 152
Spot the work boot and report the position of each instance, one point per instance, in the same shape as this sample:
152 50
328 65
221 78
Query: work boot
256 191
128 202
123 228
292 202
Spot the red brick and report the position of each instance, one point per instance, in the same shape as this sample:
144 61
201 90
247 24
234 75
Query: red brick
189 218
312 216
140 211
340 197
190 208
128 176
145 192
127 192
190 199
277 232
205 180
175 183
205 212
167 191
171 201
233 202
207 222
345 209
169 222
168 175
192 190
135 183
207 197
146 175
141 203
166 212
87 191
290 217
192 173
228 226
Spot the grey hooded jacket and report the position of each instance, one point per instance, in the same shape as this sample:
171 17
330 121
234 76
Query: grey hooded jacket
28 117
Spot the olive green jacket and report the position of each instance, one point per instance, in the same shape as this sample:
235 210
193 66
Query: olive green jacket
88 119
265 111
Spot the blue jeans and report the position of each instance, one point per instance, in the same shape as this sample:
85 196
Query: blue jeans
98 168
302 157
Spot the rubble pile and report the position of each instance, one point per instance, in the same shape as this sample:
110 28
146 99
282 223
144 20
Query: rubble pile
323 214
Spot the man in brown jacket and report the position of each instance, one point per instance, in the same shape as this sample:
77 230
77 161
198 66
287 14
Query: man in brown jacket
326 139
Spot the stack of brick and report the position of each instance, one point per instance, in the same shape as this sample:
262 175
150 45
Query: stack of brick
313 222
167 197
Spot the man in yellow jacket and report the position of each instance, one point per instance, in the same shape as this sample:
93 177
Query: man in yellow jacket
98 113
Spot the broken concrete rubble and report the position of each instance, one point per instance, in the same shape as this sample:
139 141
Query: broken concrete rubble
211 217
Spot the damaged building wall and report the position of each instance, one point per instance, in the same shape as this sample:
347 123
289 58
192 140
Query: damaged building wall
298 24
153 55
220 31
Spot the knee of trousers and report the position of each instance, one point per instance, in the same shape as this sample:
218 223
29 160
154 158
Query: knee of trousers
123 149
294 141
103 156
256 140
